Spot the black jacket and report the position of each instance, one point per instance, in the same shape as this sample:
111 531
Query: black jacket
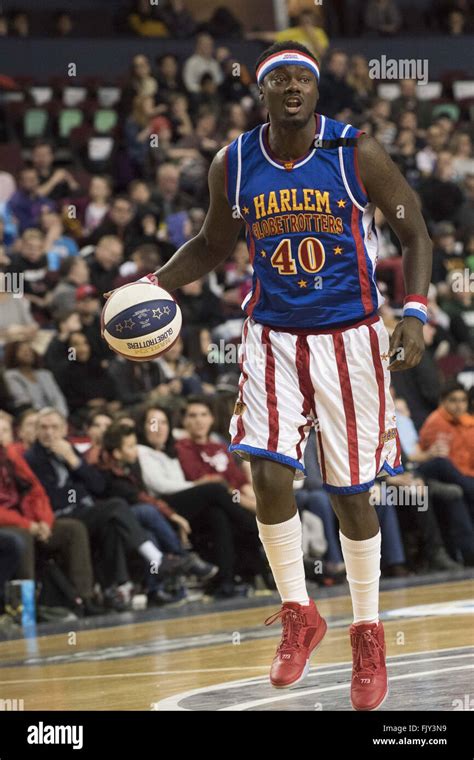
83 484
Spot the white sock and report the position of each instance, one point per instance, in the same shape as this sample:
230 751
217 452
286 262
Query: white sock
283 546
362 560
151 552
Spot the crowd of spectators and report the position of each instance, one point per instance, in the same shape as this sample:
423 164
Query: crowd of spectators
174 19
120 470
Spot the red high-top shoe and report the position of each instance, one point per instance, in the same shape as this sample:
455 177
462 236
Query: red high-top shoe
369 686
303 630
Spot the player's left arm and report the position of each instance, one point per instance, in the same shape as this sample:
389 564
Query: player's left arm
391 193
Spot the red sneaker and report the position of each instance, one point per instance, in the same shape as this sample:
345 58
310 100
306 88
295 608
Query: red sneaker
369 686
303 631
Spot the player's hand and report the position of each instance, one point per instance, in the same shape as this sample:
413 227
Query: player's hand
406 344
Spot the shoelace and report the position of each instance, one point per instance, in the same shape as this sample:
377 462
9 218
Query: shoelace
292 622
367 652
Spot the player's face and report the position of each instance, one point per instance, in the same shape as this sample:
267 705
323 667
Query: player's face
290 93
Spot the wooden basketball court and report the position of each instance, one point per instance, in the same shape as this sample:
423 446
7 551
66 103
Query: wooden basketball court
217 656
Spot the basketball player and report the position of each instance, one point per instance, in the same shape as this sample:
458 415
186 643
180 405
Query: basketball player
314 350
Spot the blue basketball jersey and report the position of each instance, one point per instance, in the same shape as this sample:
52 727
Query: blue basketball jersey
309 228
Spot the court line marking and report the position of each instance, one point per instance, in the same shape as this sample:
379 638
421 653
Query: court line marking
336 687
172 702
321 669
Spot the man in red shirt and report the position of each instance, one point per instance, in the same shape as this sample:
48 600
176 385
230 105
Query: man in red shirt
446 443
26 511
201 458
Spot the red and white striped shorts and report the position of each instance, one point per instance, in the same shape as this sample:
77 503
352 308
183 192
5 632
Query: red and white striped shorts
336 380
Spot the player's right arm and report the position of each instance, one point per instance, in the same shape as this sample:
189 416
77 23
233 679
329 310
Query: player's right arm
215 241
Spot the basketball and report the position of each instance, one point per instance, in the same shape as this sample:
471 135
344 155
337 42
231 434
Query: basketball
141 321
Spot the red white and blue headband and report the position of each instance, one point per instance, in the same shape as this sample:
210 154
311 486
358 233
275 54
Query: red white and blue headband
286 58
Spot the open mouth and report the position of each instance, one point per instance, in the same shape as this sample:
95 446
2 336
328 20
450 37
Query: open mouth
293 105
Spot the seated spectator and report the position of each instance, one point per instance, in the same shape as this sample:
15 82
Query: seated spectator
104 262
86 384
140 82
113 529
441 196
408 101
384 129
6 428
405 156
139 193
3 25
382 17
144 21
16 321
309 32
359 79
335 94
29 385
144 259
200 456
119 462
444 522
465 215
11 551
26 512
226 531
57 245
26 202
7 186
73 273
138 380
427 157
178 20
393 560
88 307
201 62
170 80
19 24
25 431
314 498
63 24
54 183
458 303
446 251
450 429
223 23
97 205
118 223
199 305
181 122
167 195
138 128
97 423
31 262
457 23
57 353
463 155
419 386
178 372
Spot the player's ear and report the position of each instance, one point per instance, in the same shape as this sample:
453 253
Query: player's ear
260 94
